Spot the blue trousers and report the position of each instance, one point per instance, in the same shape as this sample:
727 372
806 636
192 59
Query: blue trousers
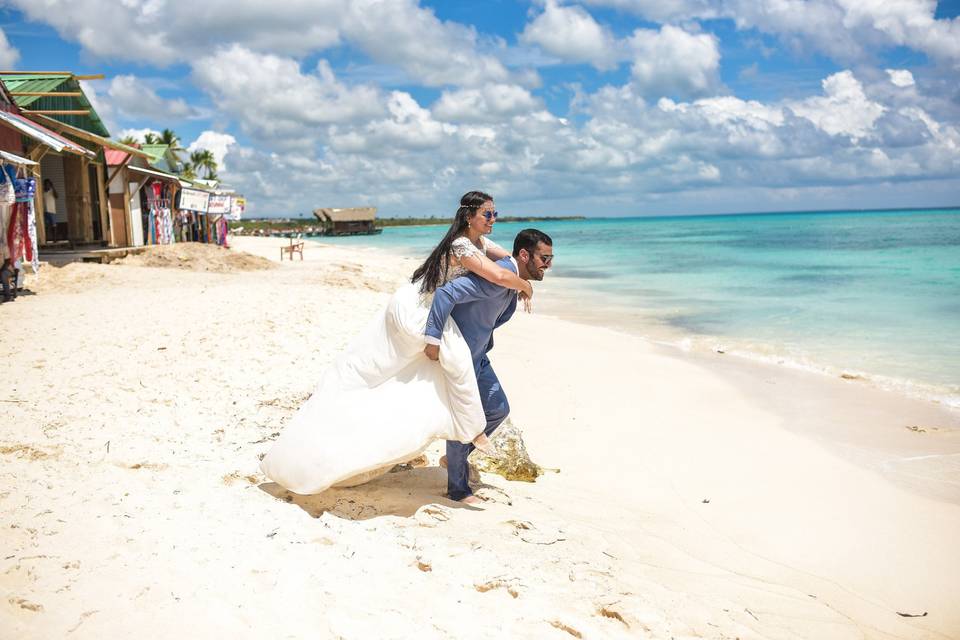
496 408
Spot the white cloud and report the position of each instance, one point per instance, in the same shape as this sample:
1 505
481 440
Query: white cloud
571 34
673 61
399 32
844 110
217 143
847 30
8 53
137 134
492 103
433 52
135 99
901 77
275 101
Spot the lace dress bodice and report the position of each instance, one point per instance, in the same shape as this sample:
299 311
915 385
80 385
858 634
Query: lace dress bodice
461 248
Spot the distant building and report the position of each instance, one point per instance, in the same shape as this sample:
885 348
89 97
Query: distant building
348 222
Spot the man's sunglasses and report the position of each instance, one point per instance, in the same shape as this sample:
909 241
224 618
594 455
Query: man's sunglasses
546 257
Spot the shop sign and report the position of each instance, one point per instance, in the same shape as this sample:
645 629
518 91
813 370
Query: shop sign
218 204
193 200
237 207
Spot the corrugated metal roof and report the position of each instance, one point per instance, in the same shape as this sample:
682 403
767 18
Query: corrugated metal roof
36 83
155 151
115 156
38 132
155 172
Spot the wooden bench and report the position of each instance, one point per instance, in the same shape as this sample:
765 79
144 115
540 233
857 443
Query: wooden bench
292 248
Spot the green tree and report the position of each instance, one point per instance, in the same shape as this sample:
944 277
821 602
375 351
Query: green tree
204 160
172 140
129 140
151 138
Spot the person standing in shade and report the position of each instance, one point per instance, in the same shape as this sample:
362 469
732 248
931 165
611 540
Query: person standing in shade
50 210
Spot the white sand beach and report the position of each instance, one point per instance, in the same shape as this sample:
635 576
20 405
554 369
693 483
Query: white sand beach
695 496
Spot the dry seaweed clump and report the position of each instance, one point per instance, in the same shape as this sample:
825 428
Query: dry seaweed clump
512 460
195 256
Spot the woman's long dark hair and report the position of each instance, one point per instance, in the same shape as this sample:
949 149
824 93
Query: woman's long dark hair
433 271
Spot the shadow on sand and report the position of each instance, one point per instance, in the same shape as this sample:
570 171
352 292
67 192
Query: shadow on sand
398 493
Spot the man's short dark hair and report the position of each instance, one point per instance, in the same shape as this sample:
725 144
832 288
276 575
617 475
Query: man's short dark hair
528 239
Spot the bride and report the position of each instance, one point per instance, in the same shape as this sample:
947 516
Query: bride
382 401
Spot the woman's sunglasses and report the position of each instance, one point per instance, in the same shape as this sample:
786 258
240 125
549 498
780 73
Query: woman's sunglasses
491 215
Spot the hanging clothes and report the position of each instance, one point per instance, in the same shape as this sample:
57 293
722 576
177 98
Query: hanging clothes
19 242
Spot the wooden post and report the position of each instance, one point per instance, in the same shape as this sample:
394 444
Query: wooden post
39 207
128 219
73 198
85 202
105 226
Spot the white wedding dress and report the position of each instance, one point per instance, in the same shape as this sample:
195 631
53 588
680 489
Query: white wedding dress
382 401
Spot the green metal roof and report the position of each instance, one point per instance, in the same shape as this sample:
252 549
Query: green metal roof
155 151
162 156
55 83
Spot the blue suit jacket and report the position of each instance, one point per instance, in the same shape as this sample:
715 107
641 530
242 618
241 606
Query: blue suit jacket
477 305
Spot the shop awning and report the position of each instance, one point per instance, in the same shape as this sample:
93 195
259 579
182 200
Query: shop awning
15 159
63 127
40 133
157 173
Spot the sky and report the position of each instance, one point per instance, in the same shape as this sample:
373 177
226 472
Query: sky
555 107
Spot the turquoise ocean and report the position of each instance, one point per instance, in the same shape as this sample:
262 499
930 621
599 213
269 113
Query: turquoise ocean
868 293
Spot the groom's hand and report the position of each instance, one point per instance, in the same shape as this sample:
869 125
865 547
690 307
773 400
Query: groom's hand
432 351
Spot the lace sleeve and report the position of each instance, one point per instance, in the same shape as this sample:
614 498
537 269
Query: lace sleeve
462 247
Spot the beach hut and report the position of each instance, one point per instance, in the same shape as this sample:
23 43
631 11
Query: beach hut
73 160
141 196
348 222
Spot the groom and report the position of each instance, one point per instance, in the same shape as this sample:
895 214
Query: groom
479 307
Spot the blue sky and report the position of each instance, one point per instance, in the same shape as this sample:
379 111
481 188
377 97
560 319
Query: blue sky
599 107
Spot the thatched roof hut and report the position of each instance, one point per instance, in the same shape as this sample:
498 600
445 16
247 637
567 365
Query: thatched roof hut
349 221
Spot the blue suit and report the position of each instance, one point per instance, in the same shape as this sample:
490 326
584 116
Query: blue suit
478 307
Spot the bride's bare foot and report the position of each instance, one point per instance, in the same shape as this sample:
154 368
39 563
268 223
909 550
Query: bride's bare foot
482 442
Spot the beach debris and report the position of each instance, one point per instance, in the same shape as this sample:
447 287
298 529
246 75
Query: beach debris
410 465
497 583
912 615
850 376
613 615
26 604
27 451
530 533
752 615
915 428
429 515
83 616
272 436
556 624
705 501
426 567
512 460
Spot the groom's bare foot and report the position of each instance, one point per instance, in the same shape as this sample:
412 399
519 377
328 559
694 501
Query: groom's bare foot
471 500
443 461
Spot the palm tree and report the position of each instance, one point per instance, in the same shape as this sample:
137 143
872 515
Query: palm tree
151 138
168 137
129 140
187 171
204 159
172 140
